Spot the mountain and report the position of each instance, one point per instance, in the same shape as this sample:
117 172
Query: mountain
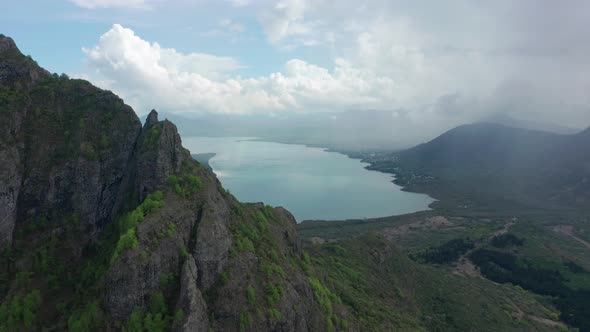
368 130
492 162
108 224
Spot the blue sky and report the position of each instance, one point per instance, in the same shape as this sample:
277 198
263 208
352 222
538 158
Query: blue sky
454 61
56 31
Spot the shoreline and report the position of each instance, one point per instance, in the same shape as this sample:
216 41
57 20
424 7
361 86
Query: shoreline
365 164
204 158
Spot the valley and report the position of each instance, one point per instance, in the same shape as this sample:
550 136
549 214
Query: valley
524 235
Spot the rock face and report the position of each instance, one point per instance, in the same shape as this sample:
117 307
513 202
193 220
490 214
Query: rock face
75 167
211 250
16 74
159 154
58 155
10 181
191 299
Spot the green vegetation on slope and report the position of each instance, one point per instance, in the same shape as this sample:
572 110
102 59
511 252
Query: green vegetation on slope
128 223
384 290
501 267
187 183
68 293
446 253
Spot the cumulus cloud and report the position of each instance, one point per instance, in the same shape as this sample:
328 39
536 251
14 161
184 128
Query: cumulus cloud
147 76
525 58
457 61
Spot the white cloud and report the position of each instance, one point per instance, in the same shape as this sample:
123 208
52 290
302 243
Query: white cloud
457 59
147 76
94 4
458 47
285 18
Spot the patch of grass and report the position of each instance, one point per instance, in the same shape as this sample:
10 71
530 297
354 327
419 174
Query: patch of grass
273 294
245 321
167 280
251 295
128 223
275 314
90 318
185 185
153 135
183 252
20 312
270 269
126 241
171 230
178 318
323 296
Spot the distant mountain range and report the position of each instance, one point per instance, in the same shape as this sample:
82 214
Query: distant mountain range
368 130
488 161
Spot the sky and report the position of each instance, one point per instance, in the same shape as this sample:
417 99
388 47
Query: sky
426 61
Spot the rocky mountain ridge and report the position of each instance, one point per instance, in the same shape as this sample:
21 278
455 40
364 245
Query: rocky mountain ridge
107 224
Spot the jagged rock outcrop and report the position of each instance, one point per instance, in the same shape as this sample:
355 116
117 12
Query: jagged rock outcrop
191 300
211 249
159 154
151 119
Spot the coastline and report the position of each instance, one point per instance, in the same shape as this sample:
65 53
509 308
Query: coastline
204 158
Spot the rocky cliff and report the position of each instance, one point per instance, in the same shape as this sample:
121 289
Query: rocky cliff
107 225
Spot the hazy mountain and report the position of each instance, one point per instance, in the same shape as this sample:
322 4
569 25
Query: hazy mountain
348 130
531 167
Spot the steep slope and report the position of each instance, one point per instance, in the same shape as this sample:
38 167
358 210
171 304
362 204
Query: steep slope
385 291
65 145
494 163
105 224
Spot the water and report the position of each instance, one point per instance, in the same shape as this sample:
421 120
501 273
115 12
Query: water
310 182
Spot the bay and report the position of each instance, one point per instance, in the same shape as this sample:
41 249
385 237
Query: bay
311 183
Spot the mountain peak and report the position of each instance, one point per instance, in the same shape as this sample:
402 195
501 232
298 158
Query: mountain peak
6 43
16 67
151 119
